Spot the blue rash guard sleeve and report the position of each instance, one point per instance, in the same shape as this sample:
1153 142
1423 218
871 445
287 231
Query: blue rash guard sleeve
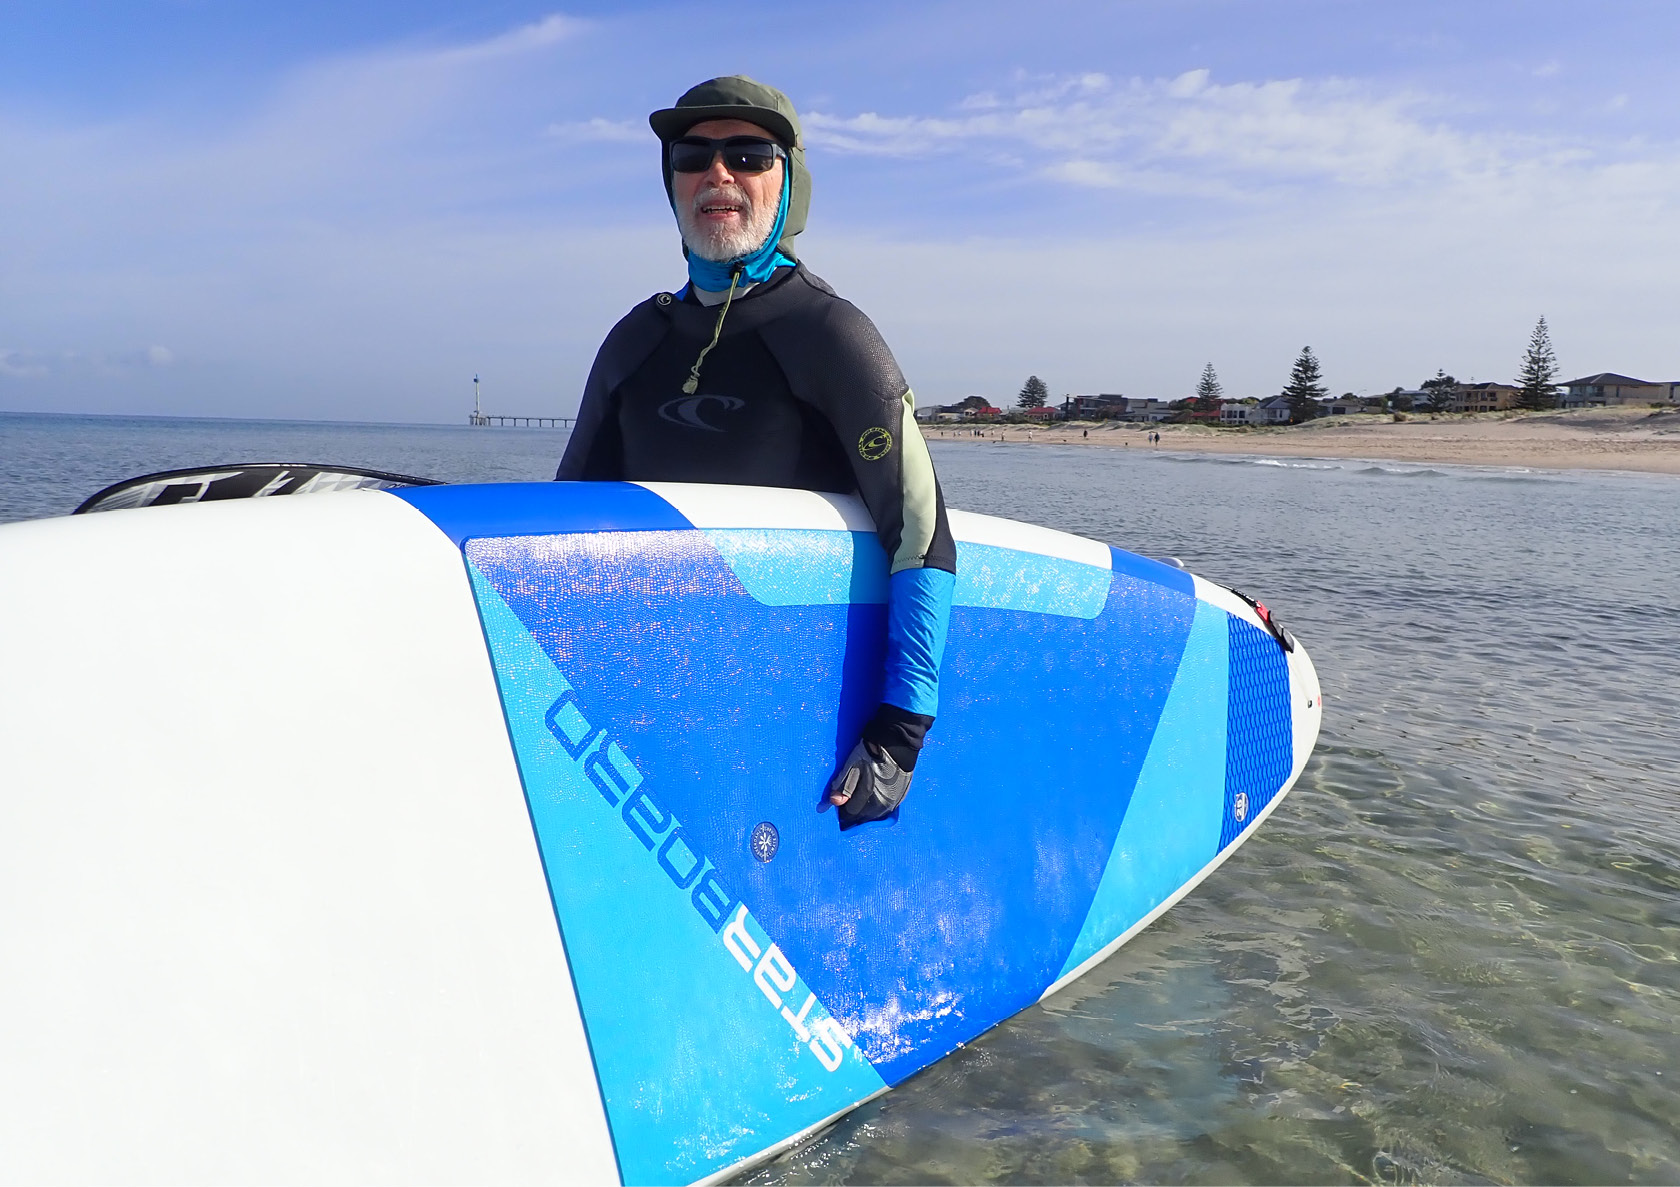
918 617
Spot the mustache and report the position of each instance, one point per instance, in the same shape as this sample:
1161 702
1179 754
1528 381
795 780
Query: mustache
732 195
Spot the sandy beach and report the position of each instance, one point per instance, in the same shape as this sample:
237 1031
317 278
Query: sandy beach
1622 438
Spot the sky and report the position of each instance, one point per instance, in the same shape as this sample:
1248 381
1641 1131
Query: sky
320 210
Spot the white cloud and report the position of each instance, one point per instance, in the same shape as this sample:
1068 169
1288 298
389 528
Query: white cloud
1373 225
611 131
1082 171
386 225
1384 292
333 251
383 137
1189 84
1093 130
550 30
1150 180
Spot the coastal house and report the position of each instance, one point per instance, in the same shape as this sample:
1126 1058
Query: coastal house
1047 413
1607 387
1349 406
1275 411
1484 397
1240 412
1148 411
1101 407
968 408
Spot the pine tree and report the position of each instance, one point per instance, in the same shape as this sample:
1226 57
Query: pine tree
1305 389
1439 391
1538 377
1208 391
1033 393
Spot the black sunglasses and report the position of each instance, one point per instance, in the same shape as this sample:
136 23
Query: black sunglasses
741 154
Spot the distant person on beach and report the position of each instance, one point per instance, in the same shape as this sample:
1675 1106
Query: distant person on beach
756 373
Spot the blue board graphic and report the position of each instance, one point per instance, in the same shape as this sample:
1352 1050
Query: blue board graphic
678 977
675 695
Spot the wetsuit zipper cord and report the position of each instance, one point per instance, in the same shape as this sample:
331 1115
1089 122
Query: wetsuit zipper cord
692 383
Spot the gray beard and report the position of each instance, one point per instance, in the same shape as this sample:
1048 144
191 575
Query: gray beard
722 244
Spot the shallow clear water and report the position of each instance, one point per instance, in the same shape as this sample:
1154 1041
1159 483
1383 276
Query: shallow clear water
1451 955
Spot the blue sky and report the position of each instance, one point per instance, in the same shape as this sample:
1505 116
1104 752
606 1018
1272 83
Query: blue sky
339 211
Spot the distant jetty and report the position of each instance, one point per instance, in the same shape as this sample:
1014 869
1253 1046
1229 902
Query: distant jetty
479 419
521 422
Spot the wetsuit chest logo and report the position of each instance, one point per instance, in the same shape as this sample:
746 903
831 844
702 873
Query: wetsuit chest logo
874 445
686 410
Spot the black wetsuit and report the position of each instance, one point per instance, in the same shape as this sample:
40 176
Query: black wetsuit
800 391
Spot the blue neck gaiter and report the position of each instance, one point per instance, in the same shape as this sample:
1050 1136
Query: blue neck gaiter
756 268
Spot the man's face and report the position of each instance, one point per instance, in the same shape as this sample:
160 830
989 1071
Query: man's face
722 215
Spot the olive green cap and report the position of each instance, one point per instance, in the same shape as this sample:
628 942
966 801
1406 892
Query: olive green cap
733 97
737 97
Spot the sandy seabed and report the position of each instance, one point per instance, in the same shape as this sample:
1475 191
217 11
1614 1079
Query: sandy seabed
1624 438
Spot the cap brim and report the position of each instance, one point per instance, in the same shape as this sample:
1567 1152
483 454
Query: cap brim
671 122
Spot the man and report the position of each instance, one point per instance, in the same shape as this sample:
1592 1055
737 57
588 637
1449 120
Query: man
756 373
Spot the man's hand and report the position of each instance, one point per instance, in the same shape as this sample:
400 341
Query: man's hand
868 786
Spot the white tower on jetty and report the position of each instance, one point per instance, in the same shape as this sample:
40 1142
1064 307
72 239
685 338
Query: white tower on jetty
477 417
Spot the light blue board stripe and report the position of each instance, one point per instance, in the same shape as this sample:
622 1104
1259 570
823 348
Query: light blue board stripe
813 567
697 1068
1171 827
1005 579
804 566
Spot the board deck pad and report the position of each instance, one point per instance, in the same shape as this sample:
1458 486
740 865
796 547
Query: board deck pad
677 698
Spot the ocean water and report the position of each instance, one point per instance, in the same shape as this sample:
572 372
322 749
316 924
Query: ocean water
1451 955
49 464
